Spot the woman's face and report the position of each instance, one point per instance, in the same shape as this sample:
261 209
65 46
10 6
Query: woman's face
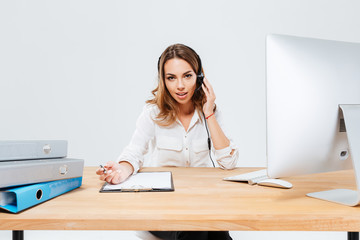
180 80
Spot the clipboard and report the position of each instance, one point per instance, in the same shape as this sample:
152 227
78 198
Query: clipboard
143 182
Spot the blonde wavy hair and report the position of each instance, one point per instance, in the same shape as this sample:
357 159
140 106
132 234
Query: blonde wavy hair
161 97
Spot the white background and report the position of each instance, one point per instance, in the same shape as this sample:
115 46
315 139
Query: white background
81 70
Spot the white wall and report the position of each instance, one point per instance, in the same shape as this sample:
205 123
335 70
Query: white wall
81 70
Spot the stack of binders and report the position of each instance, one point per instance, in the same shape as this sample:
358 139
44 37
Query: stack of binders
32 172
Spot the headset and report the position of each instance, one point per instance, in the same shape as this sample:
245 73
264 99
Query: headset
199 75
199 82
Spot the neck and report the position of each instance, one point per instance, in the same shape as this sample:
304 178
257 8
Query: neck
186 109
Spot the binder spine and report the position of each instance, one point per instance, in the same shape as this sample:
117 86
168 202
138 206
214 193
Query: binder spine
15 173
35 149
35 194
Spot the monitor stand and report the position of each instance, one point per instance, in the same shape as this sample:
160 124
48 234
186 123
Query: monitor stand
347 197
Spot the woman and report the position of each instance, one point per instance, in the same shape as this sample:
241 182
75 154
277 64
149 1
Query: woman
176 125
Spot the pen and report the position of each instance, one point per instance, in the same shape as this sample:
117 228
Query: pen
102 167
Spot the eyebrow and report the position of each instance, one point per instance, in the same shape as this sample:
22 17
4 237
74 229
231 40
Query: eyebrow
183 73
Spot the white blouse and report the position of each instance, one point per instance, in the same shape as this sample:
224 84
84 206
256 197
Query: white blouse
173 146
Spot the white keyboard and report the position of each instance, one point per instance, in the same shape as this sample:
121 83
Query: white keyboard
251 177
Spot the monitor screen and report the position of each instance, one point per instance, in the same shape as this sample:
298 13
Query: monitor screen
306 80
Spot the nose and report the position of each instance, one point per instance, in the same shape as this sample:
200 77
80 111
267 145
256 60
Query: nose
180 84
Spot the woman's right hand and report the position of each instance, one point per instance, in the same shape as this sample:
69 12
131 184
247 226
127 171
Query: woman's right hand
115 172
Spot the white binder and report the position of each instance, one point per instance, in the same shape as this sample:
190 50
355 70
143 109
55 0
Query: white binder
20 172
32 149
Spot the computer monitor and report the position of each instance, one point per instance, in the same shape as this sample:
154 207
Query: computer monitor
310 83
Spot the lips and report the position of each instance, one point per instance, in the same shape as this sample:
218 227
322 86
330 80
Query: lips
182 95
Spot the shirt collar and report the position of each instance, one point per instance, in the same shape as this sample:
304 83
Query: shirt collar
195 118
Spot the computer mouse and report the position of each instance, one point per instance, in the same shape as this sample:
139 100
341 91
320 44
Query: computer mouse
271 182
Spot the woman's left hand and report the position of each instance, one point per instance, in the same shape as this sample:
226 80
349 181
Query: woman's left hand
208 107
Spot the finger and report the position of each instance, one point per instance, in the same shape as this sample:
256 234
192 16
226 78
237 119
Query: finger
117 177
206 91
110 164
109 177
209 86
99 171
103 176
205 83
115 180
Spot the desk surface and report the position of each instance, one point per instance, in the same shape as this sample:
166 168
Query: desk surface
201 201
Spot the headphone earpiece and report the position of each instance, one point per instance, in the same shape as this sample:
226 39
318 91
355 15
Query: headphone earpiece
199 81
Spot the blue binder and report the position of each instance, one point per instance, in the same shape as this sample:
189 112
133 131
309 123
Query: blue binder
19 198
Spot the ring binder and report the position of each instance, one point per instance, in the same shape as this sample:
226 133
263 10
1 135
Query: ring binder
20 198
32 149
16 173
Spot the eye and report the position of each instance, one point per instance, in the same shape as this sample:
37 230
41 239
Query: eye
188 75
170 78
